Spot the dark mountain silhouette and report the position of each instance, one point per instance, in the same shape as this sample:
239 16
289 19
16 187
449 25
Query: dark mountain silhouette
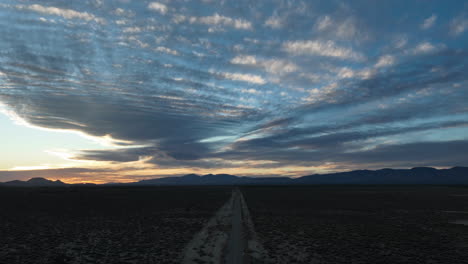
33 182
419 175
213 179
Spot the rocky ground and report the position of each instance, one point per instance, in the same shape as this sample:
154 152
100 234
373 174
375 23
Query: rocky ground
103 225
359 224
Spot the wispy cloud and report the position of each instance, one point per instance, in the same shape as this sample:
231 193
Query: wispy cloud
167 50
321 48
219 20
158 7
274 22
429 22
459 25
65 13
273 66
244 77
384 61
424 48
323 23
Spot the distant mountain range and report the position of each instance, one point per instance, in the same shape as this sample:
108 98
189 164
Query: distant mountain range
214 179
34 182
420 175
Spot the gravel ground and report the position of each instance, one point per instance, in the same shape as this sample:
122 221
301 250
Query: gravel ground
361 224
103 225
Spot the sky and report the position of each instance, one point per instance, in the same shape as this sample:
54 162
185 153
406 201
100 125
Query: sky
119 91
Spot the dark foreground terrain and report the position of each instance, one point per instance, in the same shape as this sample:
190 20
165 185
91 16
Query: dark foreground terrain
102 224
291 224
361 224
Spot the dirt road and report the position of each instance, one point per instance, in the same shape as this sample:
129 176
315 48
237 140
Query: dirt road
226 236
236 243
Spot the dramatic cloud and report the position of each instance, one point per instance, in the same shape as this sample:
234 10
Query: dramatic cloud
243 87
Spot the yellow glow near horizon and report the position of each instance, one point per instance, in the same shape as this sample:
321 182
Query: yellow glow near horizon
25 146
34 148
105 140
